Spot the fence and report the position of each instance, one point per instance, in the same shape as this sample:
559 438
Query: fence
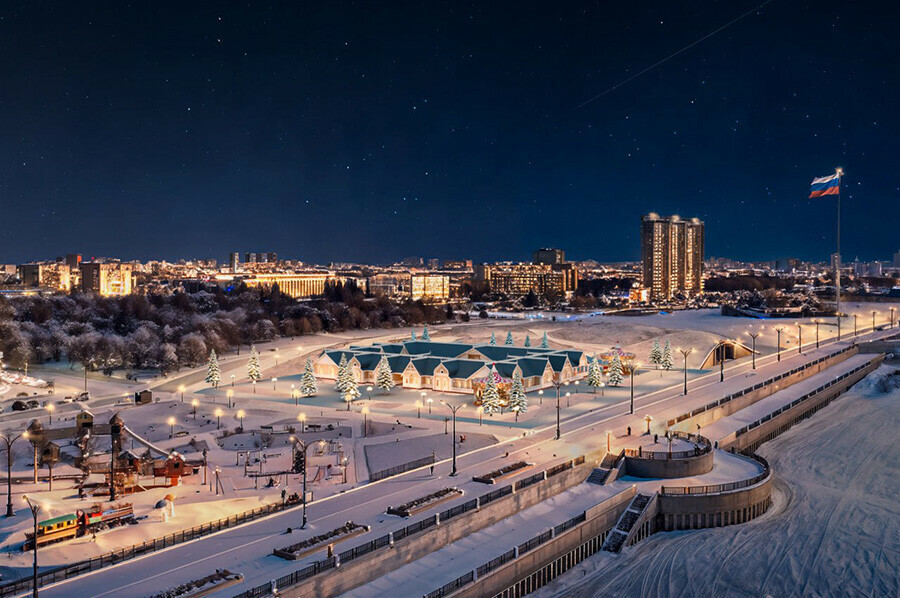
772 380
136 550
403 468
704 447
716 488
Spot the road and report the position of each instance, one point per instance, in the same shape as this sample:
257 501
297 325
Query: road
248 548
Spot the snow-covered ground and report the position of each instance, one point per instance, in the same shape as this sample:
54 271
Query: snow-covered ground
833 530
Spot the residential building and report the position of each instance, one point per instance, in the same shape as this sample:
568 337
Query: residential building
516 280
299 285
106 278
549 256
73 261
672 255
53 276
458 265
234 261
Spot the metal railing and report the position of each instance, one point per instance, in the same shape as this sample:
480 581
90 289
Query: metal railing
716 488
403 468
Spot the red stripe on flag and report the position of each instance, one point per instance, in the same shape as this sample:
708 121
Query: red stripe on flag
829 191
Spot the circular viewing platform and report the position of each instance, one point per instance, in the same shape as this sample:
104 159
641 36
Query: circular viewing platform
682 455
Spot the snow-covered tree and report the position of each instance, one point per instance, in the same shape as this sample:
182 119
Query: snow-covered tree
412 335
308 385
656 353
425 335
616 371
595 373
493 339
490 396
343 369
545 342
253 365
527 341
666 361
350 391
384 377
518 401
212 370
509 339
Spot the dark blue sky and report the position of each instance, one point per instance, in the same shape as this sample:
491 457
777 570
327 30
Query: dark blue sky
371 131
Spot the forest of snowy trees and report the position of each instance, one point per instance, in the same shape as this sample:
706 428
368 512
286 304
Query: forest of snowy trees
168 331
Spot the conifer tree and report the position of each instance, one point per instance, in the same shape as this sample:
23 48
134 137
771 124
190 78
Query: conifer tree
595 373
493 339
350 391
425 335
527 341
412 335
666 361
545 342
343 368
308 385
490 396
616 371
656 354
384 377
509 339
212 370
253 365
518 400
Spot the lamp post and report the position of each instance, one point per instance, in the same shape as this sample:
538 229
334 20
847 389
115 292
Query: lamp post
368 393
817 322
892 316
799 338
218 418
232 381
558 385
194 404
720 352
634 368
276 355
418 409
303 469
685 352
274 383
254 387
50 408
34 514
778 352
181 390
480 415
453 409
839 327
429 400
568 396
753 336
301 417
608 433
873 320
241 415
365 412
171 422
9 440
541 396
854 324
229 395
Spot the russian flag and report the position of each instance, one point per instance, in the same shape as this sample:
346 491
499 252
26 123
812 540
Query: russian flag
826 185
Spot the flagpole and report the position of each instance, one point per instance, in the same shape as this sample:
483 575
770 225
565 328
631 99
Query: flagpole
837 268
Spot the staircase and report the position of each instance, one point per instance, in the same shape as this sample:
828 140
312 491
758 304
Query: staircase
627 522
598 476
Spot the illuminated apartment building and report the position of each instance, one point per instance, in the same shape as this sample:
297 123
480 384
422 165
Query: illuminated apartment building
672 255
429 287
106 278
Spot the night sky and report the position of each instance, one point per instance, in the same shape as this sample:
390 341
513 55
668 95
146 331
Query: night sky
372 131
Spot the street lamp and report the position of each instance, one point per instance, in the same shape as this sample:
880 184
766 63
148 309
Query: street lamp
893 309
303 469
685 352
194 403
9 440
254 387
274 382
276 355
301 417
241 415
753 336
418 409
854 324
799 338
779 331
34 514
218 418
480 411
568 396
634 368
429 400
608 433
453 409
541 396
558 385
171 422
232 381
720 349
817 322
50 408
229 394
365 412
873 320
181 390
368 393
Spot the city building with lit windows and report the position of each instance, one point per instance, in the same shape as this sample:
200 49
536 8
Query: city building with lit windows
672 256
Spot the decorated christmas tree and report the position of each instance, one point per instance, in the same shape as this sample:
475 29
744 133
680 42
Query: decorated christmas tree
212 370
343 369
253 365
545 342
384 377
518 401
308 385
656 353
509 339
595 373
425 335
490 396
666 361
350 391
527 341
616 371
493 339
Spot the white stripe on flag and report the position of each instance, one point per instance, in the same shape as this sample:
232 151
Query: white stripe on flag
824 179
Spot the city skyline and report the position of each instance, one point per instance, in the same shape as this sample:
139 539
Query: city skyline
330 138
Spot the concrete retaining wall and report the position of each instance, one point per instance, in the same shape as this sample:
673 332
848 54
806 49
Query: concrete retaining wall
670 468
742 402
412 548
714 510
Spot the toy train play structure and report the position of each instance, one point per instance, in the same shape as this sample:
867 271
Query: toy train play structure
80 523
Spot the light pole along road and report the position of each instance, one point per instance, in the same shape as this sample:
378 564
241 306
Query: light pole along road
253 542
